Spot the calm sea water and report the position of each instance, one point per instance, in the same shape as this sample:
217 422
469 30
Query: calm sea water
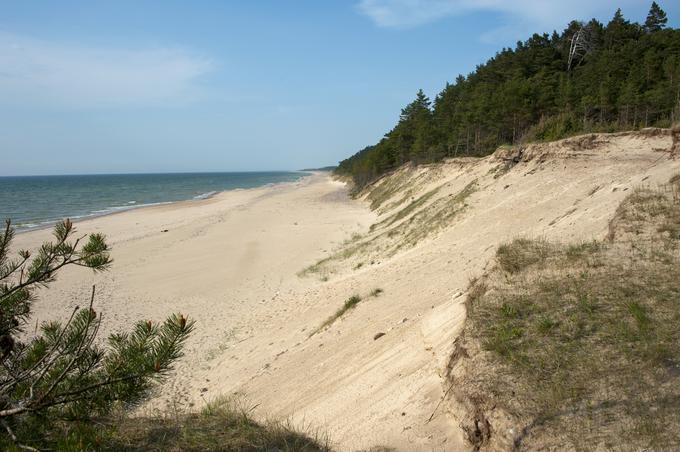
35 201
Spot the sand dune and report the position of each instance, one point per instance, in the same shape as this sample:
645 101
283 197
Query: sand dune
232 263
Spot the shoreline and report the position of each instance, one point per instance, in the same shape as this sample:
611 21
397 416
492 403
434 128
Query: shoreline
134 208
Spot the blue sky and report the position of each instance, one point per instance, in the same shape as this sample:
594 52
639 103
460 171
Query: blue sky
156 86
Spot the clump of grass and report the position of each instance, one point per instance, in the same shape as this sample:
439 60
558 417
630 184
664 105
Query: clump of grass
376 292
349 304
580 250
579 355
312 269
521 253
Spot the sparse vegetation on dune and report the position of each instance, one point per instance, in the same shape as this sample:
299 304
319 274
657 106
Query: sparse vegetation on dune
385 189
421 219
220 426
423 216
648 209
519 254
349 304
410 208
376 292
223 425
577 345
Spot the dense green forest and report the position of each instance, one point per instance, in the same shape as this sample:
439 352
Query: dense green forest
591 77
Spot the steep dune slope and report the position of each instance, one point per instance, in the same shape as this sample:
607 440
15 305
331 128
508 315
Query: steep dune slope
437 227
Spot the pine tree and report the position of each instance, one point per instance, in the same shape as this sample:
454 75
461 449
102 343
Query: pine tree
411 134
619 31
62 374
656 19
625 78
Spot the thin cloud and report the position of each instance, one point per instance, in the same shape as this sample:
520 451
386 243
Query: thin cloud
37 72
523 14
408 13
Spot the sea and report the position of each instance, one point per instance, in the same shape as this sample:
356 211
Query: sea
40 201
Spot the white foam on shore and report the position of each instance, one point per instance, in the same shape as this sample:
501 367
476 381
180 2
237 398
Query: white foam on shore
206 195
23 227
130 205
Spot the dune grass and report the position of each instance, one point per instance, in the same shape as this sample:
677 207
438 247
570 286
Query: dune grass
348 305
389 186
579 344
416 219
223 425
220 426
519 254
410 208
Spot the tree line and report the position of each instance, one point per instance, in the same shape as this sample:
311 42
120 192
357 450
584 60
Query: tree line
589 78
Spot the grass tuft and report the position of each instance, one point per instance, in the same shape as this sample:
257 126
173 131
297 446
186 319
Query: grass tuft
349 304
521 253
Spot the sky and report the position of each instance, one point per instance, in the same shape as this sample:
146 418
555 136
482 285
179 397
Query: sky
134 86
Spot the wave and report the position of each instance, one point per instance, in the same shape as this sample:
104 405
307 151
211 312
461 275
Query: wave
30 225
205 195
40 205
129 206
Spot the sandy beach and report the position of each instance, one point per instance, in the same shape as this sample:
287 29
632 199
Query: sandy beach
229 262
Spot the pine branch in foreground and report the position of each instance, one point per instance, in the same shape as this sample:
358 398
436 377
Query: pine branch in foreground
62 374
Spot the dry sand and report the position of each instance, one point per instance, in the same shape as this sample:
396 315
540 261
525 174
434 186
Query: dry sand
231 263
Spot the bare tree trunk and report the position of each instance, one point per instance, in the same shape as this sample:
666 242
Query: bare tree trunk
585 117
467 141
646 115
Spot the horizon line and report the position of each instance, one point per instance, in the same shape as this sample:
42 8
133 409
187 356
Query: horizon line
143 173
